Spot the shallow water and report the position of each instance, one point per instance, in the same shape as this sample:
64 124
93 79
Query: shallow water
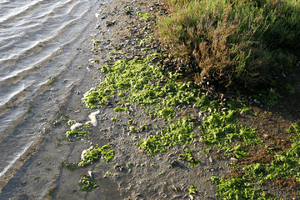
39 39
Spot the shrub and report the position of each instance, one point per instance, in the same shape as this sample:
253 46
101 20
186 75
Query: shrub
231 39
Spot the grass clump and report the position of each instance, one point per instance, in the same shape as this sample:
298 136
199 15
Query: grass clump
93 154
244 41
87 183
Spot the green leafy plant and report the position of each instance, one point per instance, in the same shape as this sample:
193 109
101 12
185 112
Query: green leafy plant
121 109
53 79
193 162
192 189
93 154
50 193
87 184
108 174
70 166
289 88
76 132
95 42
133 129
143 16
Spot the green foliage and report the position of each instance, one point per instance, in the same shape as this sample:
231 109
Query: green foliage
87 184
53 79
289 88
167 113
94 153
114 119
50 193
188 155
177 133
121 109
142 83
247 39
285 163
220 129
192 189
70 166
95 42
268 98
144 127
108 174
133 129
118 51
239 188
143 16
77 132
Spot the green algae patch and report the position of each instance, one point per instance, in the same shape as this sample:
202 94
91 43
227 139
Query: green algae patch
91 155
193 162
220 129
76 131
129 77
179 133
192 189
139 82
239 188
143 16
285 165
133 129
70 166
87 184
121 109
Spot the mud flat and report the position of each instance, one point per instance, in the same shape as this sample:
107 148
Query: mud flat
124 168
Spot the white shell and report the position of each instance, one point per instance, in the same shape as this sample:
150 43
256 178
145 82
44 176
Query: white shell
76 126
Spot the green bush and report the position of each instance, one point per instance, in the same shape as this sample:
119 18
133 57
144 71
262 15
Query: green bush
236 39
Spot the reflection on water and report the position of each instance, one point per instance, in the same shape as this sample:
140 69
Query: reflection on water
38 41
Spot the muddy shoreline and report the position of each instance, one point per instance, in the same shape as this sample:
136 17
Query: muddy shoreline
39 173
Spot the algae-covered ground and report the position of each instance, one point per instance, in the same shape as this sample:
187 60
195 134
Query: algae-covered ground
140 132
